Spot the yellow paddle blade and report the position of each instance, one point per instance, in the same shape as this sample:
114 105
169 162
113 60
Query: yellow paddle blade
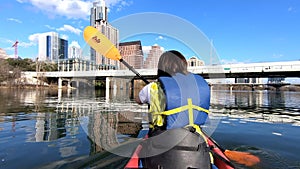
101 43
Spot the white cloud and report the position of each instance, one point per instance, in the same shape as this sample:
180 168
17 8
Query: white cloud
72 9
14 20
232 61
291 9
75 9
8 49
146 49
69 28
277 55
34 37
26 44
160 38
50 27
3 40
64 36
20 43
120 4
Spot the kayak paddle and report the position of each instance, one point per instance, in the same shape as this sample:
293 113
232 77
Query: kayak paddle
104 46
244 158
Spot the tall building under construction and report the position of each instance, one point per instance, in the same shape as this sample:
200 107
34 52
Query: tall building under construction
98 19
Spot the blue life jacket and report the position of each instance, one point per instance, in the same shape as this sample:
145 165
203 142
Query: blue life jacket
182 90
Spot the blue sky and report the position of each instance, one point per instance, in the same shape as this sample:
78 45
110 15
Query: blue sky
241 30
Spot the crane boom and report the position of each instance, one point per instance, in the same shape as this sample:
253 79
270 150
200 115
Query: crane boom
15 45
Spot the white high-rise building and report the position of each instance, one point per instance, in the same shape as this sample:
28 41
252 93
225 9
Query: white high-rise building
75 52
98 19
51 47
98 13
48 46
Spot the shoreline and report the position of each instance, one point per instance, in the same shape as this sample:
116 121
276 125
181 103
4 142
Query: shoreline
229 87
250 87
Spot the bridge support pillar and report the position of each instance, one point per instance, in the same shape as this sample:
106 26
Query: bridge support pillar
115 88
107 81
131 88
77 84
69 84
59 82
59 94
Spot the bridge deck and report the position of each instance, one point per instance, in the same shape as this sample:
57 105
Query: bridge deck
269 69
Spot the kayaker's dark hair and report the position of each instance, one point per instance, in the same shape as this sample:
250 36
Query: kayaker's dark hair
170 63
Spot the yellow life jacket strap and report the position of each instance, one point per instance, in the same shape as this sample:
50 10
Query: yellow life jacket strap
189 107
157 104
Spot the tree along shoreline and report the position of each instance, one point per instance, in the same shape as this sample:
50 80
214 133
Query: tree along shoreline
243 87
287 87
237 87
11 72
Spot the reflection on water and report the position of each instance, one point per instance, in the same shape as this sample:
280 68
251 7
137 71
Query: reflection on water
82 127
265 106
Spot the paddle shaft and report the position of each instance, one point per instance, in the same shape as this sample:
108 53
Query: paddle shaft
134 71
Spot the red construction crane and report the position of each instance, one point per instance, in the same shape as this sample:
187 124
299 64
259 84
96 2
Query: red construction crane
16 48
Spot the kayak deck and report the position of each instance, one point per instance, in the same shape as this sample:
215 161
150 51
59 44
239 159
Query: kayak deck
220 159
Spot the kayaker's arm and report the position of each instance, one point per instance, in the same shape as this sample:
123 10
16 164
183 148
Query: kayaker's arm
144 95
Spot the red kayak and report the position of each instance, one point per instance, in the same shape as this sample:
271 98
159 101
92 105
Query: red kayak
220 161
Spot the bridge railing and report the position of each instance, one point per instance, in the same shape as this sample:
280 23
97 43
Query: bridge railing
276 67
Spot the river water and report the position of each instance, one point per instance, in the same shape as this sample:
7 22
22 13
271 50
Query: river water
85 128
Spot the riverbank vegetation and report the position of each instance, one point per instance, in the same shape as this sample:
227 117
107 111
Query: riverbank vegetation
11 69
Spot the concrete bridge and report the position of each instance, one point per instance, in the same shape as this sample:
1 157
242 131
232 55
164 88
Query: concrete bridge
247 70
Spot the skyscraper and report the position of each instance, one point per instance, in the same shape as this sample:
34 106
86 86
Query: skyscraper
132 52
153 57
98 13
98 19
51 47
62 49
75 51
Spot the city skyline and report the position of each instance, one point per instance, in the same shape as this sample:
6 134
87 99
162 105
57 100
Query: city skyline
248 31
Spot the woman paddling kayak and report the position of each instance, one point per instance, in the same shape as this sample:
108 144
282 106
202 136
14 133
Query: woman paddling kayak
179 104
92 35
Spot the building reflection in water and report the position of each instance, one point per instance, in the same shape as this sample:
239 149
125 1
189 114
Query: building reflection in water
107 123
50 126
264 106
